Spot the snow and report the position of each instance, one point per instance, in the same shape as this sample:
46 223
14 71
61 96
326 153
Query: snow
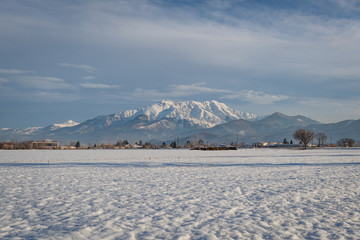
30 130
180 194
349 123
164 123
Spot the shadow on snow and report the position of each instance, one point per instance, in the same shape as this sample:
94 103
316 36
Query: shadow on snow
182 164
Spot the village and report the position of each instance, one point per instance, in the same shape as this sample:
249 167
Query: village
306 139
197 145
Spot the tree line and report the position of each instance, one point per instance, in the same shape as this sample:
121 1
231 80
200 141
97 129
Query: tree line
306 136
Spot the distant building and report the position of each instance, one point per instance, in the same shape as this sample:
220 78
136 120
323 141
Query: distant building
264 144
108 146
67 148
45 145
7 145
281 145
136 146
275 145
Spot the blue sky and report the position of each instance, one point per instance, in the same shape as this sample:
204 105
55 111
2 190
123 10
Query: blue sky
63 60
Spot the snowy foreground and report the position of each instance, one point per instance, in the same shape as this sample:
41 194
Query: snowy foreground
180 194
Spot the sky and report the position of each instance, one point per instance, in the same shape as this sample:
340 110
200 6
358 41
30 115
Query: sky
78 59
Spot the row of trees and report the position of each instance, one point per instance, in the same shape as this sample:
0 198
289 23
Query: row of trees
302 135
346 142
306 136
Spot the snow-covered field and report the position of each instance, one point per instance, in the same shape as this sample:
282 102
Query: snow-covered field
180 194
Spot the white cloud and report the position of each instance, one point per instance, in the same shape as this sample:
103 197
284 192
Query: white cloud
193 89
13 71
328 110
89 77
256 97
54 96
98 85
178 91
83 67
175 90
351 103
3 80
347 4
296 43
276 42
48 83
153 94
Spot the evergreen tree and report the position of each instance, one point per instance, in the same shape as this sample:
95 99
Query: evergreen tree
173 144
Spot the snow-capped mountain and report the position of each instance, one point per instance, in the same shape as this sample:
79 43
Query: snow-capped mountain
195 114
162 120
167 120
31 131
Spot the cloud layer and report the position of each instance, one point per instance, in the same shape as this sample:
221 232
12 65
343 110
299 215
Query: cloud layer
253 55
83 67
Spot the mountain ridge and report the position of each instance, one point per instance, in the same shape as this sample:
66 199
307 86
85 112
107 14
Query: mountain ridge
274 127
168 120
168 115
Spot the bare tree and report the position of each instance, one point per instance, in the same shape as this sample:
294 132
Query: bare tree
321 137
305 136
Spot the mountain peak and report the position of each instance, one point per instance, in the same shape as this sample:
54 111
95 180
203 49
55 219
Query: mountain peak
197 114
279 114
203 114
281 119
166 102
